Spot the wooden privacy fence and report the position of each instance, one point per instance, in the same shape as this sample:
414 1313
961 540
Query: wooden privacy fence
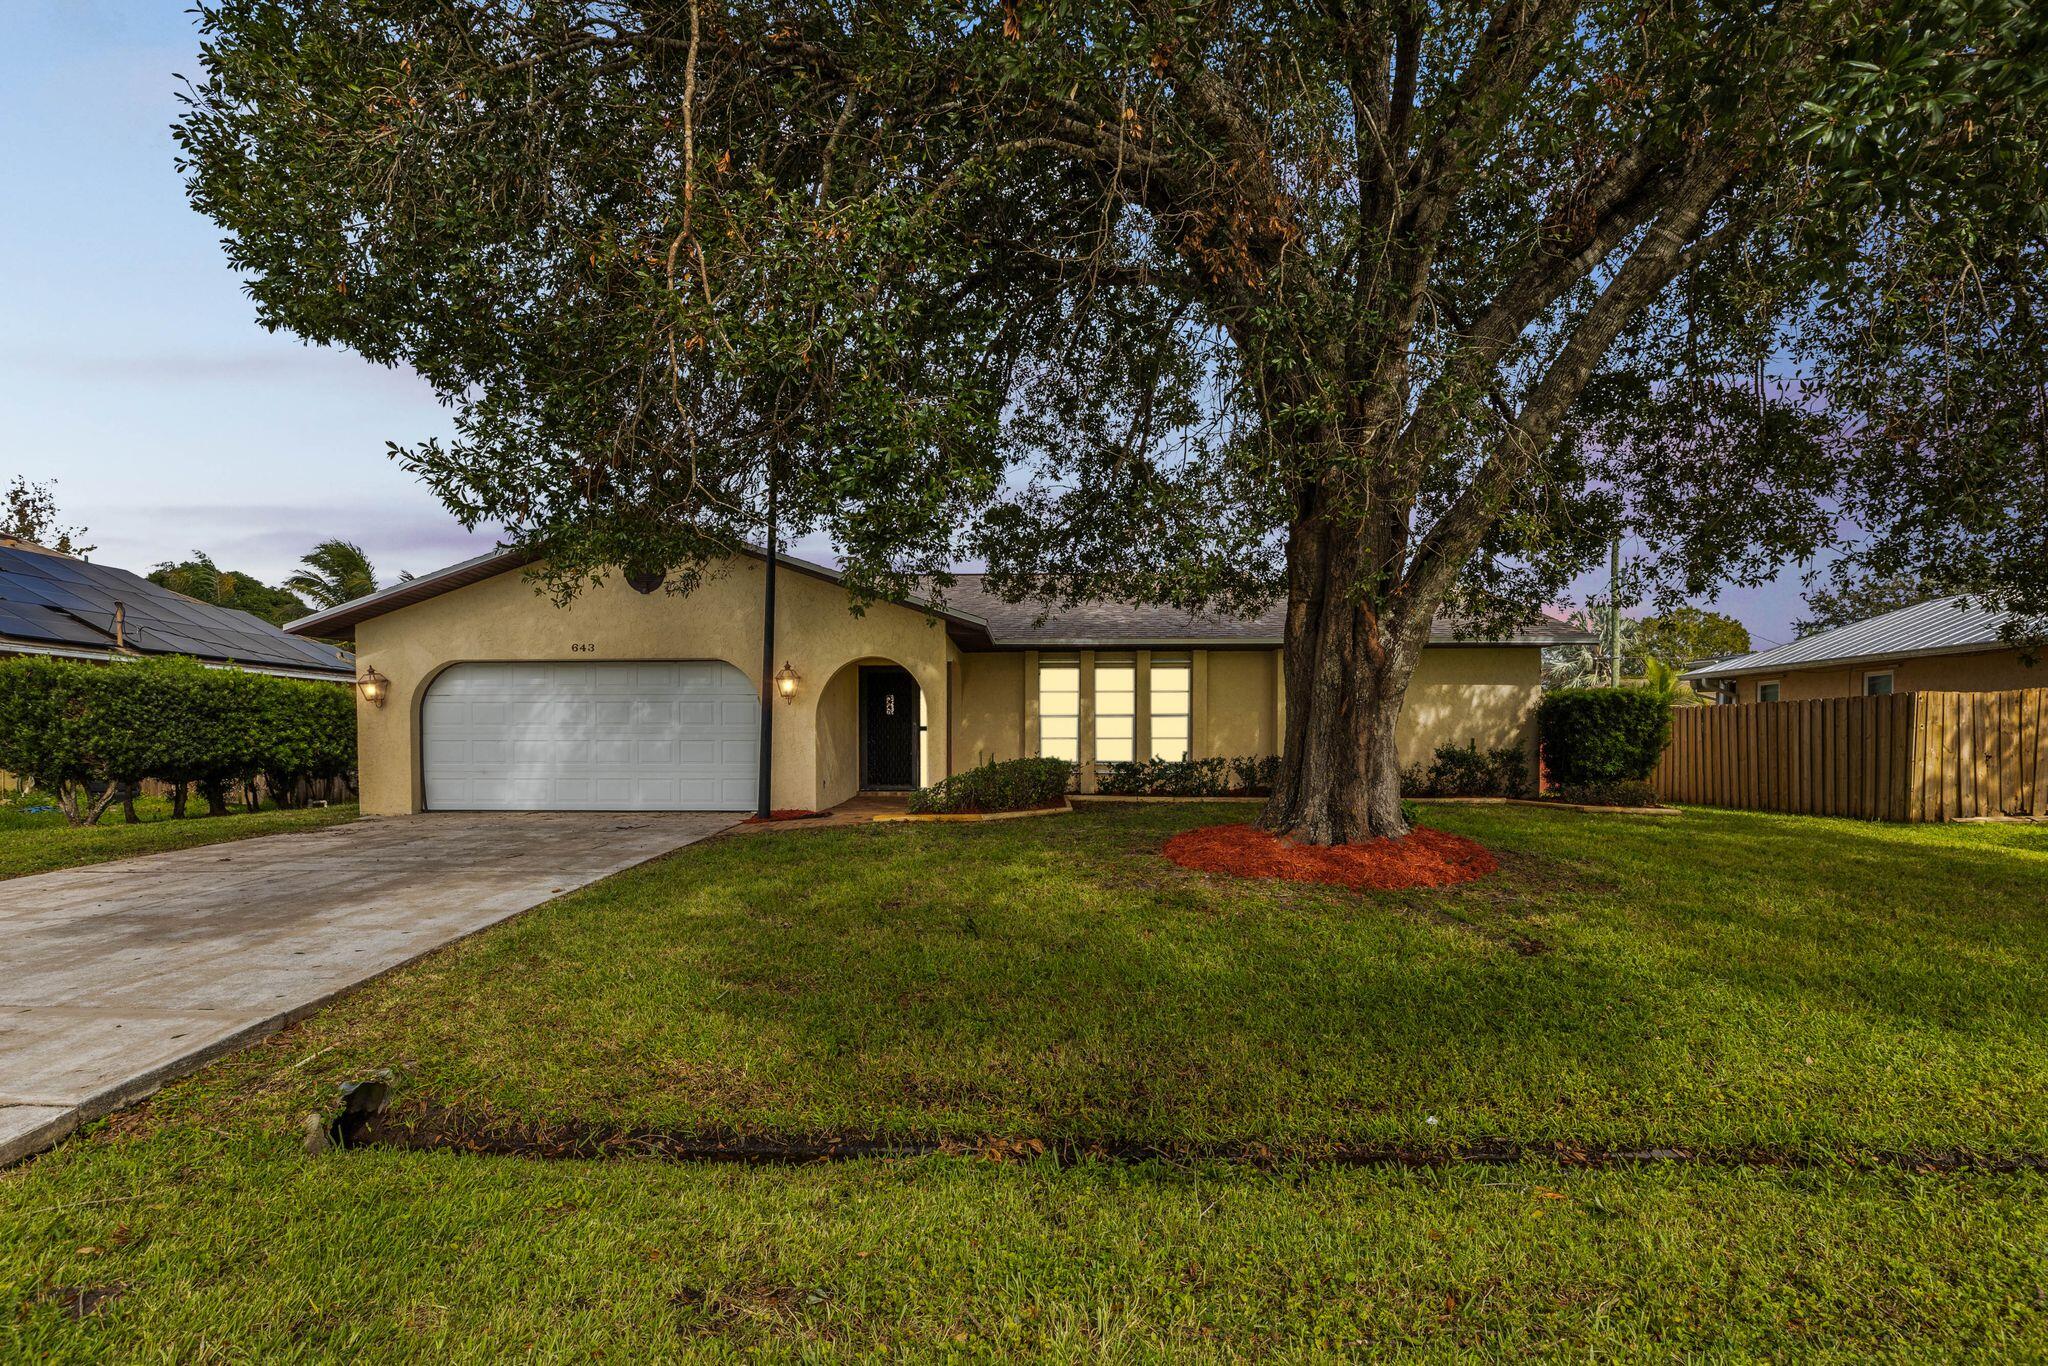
1923 756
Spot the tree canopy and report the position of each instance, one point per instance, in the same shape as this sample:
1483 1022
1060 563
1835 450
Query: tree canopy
31 515
1684 636
199 577
334 572
1387 308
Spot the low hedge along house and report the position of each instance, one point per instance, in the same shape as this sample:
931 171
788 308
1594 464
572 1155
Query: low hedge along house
491 697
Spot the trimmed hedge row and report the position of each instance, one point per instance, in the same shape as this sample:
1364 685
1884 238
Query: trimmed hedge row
1468 771
74 728
1013 785
1243 776
1599 737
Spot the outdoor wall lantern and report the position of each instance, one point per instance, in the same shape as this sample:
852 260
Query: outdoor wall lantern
786 681
373 686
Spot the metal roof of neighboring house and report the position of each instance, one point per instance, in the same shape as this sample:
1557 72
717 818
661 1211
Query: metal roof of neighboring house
1951 625
60 605
967 605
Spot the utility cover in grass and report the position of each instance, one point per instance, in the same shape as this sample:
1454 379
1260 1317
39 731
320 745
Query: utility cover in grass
1421 858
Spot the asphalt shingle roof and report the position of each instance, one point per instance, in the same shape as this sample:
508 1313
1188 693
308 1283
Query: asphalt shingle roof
1936 626
64 603
1127 623
969 605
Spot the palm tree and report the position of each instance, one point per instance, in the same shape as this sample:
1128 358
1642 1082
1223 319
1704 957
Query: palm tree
336 572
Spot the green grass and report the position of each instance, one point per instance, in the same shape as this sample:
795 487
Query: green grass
1720 980
1723 981
43 841
232 1248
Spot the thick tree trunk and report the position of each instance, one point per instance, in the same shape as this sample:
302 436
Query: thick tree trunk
178 796
1347 671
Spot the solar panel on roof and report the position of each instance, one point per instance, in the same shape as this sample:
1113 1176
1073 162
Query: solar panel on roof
28 622
38 591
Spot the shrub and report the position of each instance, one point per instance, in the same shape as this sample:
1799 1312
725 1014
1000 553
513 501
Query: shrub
1013 785
1602 735
304 731
72 727
1466 771
1623 792
44 736
1245 775
1256 774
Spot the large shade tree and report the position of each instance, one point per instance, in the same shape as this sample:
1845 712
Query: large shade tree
1390 308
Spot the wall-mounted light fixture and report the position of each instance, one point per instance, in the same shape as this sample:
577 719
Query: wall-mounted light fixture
373 687
786 681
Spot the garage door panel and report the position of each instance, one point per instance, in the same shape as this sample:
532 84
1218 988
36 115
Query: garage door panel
590 736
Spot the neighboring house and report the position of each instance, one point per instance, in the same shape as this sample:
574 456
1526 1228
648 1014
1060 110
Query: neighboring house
1942 645
69 608
495 698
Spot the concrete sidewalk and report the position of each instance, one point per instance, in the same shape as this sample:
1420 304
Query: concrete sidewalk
118 977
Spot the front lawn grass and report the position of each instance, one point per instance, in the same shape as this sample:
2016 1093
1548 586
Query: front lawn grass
1723 982
189 1245
42 841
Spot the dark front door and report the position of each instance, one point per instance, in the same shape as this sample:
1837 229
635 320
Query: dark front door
888 728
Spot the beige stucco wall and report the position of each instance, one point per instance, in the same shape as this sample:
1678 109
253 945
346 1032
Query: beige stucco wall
1982 671
1241 715
1468 693
988 709
503 618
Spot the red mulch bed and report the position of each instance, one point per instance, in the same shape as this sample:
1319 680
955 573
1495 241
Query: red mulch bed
788 813
1421 858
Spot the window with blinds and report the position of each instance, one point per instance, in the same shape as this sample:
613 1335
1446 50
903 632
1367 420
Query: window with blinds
1059 707
1116 708
1172 691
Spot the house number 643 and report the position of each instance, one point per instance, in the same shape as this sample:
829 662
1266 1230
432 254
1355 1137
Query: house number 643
583 647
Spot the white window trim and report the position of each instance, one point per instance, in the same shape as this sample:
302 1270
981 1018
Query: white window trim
1763 683
1880 673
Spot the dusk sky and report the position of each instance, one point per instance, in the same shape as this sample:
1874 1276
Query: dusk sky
133 374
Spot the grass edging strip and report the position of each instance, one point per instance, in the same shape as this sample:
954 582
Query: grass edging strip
1545 804
449 1131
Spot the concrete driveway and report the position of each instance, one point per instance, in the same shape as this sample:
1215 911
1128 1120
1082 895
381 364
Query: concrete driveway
118 977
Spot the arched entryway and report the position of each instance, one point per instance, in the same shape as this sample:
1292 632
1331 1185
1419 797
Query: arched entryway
872 731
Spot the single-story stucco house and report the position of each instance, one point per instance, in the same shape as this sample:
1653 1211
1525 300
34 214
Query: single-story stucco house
1947 644
493 697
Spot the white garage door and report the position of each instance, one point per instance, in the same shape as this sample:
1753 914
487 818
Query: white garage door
678 736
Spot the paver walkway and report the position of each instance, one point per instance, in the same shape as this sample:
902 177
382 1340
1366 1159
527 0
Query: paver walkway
117 977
